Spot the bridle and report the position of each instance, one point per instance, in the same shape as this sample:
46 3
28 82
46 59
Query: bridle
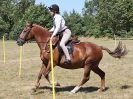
21 41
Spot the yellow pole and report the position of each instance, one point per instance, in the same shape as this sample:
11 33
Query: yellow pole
52 66
20 60
4 53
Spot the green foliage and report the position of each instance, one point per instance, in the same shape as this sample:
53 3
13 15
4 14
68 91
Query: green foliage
17 28
6 17
75 22
37 14
15 13
100 18
3 27
109 17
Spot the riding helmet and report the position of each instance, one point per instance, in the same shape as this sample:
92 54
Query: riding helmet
55 8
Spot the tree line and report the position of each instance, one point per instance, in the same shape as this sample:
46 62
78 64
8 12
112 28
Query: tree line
99 18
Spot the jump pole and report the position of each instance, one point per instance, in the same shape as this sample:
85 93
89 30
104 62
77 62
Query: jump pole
20 61
52 67
4 52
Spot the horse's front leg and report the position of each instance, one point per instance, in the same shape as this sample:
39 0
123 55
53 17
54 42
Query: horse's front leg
39 78
43 68
47 70
46 73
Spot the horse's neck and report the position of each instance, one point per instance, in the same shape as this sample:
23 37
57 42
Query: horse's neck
41 45
41 37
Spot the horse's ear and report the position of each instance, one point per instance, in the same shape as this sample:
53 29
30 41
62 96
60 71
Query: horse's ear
30 24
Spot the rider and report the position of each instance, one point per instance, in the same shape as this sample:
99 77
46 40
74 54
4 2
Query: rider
59 26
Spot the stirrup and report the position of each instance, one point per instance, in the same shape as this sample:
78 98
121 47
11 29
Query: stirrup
67 61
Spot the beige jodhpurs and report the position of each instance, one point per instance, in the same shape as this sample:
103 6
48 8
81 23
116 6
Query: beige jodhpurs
65 38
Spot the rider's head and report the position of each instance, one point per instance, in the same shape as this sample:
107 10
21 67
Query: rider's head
54 9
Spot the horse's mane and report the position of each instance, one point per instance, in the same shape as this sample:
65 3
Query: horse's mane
41 27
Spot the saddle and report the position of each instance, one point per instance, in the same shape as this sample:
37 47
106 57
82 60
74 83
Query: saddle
70 45
73 40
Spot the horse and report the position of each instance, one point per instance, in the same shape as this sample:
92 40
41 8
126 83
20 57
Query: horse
85 55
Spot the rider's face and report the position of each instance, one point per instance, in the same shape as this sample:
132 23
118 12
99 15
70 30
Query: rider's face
52 13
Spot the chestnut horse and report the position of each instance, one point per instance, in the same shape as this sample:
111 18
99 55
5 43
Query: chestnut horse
85 55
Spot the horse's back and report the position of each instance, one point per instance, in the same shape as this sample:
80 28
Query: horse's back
88 46
89 50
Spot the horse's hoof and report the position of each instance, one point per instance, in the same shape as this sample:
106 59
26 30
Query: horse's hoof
71 93
75 90
33 91
57 84
101 90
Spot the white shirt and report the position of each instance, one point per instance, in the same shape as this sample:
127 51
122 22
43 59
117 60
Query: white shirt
58 24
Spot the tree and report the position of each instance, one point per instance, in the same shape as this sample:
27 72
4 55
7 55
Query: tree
109 17
15 13
38 14
100 18
3 27
115 17
90 12
20 8
75 22
6 16
90 7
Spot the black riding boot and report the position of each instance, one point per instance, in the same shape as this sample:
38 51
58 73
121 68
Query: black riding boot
67 61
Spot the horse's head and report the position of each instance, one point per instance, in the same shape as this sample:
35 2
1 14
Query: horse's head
25 35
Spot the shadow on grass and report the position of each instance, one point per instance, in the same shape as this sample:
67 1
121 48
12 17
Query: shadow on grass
125 87
69 88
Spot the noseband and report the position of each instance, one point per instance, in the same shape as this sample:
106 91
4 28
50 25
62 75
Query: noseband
23 40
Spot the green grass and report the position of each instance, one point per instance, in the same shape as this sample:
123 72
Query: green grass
119 75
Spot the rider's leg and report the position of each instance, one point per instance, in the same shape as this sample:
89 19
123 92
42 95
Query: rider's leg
65 38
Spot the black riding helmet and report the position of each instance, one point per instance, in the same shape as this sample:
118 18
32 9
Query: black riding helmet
55 8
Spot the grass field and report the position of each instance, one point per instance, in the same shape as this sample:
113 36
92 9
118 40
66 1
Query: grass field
119 75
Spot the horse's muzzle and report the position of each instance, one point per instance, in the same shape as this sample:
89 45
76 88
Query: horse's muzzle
20 42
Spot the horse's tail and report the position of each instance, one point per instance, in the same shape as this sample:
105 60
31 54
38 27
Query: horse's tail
119 52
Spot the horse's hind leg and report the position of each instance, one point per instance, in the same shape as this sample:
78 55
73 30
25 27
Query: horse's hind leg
86 77
98 71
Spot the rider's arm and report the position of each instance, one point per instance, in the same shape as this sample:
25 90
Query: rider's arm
57 26
52 29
